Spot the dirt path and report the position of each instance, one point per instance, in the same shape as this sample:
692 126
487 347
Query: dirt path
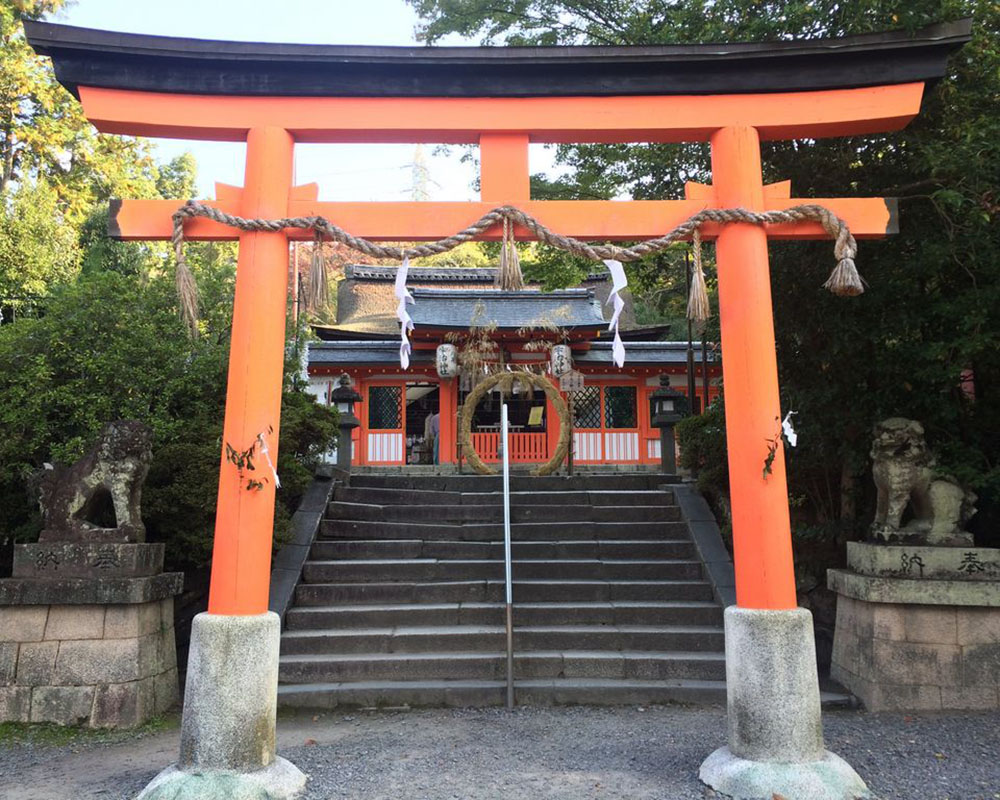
535 753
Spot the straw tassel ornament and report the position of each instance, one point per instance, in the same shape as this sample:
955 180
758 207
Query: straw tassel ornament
509 276
319 287
187 286
845 281
698 308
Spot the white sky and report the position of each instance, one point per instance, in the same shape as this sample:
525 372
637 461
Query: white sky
344 172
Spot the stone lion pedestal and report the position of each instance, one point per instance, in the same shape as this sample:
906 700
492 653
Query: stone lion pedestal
918 608
87 619
918 628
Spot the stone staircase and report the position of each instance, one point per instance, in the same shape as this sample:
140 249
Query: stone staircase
401 600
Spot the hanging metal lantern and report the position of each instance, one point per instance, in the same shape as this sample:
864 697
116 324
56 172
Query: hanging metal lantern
561 359
447 361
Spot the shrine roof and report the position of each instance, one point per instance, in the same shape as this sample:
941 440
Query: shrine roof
347 353
460 309
369 353
480 275
87 57
643 353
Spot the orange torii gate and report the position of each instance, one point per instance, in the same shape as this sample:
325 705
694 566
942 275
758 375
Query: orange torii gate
734 97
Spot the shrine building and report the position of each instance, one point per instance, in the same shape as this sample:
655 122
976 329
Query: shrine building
611 411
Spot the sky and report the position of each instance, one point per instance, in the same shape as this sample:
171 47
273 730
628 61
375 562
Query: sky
343 172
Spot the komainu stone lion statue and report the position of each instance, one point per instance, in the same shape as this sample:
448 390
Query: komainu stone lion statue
904 475
97 498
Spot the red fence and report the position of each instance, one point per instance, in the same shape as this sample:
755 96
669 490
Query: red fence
524 447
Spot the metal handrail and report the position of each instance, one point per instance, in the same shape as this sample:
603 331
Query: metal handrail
507 556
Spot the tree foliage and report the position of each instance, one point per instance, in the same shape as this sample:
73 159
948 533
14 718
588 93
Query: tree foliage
110 346
44 135
931 313
107 342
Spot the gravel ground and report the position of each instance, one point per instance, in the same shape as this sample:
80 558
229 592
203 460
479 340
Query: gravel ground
535 753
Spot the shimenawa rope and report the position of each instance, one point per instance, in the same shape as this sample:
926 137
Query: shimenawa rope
844 280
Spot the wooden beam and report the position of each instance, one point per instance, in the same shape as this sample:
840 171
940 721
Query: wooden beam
597 220
670 118
503 168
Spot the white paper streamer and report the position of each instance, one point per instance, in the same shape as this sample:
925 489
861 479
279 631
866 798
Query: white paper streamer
619 282
786 426
267 456
405 322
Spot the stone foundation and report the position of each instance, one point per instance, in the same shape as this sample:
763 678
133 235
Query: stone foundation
106 666
897 657
912 644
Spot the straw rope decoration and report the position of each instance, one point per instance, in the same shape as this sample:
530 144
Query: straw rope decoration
319 286
843 281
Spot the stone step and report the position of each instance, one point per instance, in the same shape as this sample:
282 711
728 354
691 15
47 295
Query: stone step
345 549
429 569
491 665
458 514
523 531
525 591
481 693
596 497
346 617
484 638
527 692
518 483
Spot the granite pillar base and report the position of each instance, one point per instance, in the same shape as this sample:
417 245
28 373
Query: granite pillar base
228 725
775 732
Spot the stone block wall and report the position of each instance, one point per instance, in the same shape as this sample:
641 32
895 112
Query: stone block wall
912 657
107 665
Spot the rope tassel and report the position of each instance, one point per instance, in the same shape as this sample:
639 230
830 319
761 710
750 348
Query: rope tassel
319 287
187 286
698 308
845 281
509 276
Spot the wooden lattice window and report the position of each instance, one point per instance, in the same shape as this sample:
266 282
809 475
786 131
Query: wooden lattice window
620 407
385 408
587 408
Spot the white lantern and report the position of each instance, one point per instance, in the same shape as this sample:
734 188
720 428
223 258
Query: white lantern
447 361
561 359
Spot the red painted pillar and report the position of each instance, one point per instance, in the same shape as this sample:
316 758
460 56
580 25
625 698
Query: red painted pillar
761 532
448 425
241 556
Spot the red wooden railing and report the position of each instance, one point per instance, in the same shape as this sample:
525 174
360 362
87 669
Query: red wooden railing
524 447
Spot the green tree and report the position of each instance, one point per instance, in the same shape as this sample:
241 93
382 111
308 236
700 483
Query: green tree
112 346
44 134
930 314
37 250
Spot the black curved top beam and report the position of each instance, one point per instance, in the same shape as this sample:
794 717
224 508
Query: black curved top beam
86 57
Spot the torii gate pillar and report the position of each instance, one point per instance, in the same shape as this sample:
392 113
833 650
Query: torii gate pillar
775 731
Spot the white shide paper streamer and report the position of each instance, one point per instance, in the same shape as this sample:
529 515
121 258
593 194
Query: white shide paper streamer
405 322
619 282
786 426
262 438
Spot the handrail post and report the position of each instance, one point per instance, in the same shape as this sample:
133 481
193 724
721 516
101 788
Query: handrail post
507 557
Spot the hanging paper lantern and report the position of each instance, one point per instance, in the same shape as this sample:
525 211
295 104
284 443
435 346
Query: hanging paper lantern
447 361
561 359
